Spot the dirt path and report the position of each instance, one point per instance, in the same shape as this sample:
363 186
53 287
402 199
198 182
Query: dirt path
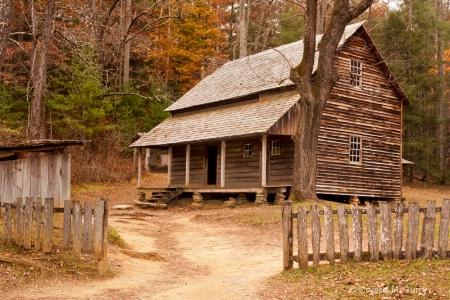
202 260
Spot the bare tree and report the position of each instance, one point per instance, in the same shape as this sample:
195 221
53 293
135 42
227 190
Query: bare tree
6 13
36 126
315 89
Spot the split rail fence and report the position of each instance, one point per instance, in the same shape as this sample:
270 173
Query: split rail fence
388 243
29 224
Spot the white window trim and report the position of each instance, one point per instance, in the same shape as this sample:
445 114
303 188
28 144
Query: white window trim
275 150
355 152
356 71
248 150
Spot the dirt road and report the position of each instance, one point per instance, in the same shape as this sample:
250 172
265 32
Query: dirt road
187 258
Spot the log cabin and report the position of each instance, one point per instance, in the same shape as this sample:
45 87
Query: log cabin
231 133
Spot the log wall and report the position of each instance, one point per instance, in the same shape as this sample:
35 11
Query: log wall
178 175
45 176
373 112
280 166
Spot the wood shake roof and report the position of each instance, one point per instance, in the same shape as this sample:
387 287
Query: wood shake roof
245 119
205 113
263 71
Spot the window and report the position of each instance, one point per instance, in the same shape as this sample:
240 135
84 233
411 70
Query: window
247 150
275 148
355 149
355 73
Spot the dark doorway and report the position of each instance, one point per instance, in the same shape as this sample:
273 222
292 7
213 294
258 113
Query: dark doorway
211 152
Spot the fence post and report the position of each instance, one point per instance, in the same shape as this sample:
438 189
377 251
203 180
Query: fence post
27 223
66 225
398 230
413 231
386 230
87 227
76 246
38 212
357 232
102 264
329 233
443 229
302 235
287 234
315 235
48 224
343 232
8 221
428 229
372 233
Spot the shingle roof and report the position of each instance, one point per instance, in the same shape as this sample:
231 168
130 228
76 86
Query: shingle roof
248 118
263 71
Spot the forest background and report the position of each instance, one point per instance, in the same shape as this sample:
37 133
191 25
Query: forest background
113 66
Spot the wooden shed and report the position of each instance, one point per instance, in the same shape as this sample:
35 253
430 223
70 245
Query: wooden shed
37 169
231 133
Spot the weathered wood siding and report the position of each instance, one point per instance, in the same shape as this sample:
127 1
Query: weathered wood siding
46 176
197 171
178 175
240 171
373 112
280 166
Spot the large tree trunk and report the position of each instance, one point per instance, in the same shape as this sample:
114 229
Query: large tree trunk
315 90
36 127
6 13
243 29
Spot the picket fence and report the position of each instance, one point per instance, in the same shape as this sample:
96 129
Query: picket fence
391 238
84 230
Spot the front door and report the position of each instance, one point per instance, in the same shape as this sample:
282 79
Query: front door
211 165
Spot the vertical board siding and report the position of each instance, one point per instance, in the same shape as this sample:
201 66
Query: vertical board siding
372 111
36 177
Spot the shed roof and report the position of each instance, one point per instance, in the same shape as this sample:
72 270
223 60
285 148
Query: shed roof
235 120
37 145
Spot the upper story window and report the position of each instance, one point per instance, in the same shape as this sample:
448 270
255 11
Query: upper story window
355 73
355 149
247 150
275 148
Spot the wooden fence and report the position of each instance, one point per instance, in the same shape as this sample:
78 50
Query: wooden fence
30 225
393 242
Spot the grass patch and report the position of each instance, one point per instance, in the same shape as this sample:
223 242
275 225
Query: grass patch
382 280
114 238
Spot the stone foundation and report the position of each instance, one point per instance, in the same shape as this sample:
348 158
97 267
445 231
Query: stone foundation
261 198
198 200
279 198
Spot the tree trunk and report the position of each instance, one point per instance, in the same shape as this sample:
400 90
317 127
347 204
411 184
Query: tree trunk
315 90
36 128
127 44
6 13
243 29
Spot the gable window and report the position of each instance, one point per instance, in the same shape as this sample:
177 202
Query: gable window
247 150
355 149
275 148
355 73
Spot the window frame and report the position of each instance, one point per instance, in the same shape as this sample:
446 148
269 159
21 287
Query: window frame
356 68
276 148
248 149
355 149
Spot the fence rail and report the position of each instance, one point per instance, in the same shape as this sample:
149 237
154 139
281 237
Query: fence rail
84 230
388 243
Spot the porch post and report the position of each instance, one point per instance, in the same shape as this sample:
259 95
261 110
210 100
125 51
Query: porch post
264 160
139 166
169 167
222 163
147 159
188 163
